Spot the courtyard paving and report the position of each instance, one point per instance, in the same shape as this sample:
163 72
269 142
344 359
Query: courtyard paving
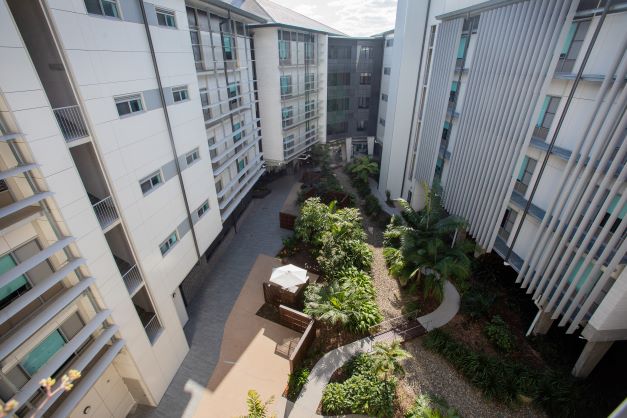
259 233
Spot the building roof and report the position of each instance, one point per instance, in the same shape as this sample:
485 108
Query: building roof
275 13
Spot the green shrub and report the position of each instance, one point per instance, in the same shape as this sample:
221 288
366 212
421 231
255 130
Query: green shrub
360 394
499 334
372 206
289 244
504 380
477 302
337 255
295 384
431 407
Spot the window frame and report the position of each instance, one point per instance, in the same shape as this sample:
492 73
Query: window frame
167 13
363 102
287 116
127 99
149 178
194 154
180 90
387 70
365 78
202 209
102 14
170 244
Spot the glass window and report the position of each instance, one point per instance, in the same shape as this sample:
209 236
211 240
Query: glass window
287 114
180 94
584 276
339 52
169 243
14 288
384 97
525 174
389 43
165 18
288 145
366 52
284 50
150 182
365 78
309 51
339 79
610 210
129 104
363 102
382 121
192 156
547 114
235 128
572 46
463 45
310 80
362 125
227 47
241 164
102 7
507 223
286 85
43 352
204 208
387 70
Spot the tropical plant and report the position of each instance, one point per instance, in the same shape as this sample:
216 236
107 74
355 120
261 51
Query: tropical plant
297 380
499 334
426 406
338 254
429 255
362 168
477 302
372 206
346 302
387 358
256 407
360 394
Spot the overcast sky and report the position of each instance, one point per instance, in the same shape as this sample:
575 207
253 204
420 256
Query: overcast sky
353 17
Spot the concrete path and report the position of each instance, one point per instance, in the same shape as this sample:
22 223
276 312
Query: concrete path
374 189
258 233
307 403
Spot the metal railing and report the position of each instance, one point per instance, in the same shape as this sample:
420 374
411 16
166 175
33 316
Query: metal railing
71 122
540 132
132 279
153 328
106 212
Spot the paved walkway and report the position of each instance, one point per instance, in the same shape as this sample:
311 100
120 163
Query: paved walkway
258 233
307 403
374 189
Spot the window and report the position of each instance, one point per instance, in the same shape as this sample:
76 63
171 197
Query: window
102 7
572 46
151 182
362 125
219 186
461 51
287 114
439 165
339 52
387 70
286 85
339 79
363 102
180 94
284 50
14 288
233 91
166 18
584 276
453 94
310 79
228 47
445 130
204 100
366 52
382 121
236 127
43 352
334 105
288 145
384 97
507 223
610 211
310 106
241 164
545 119
389 43
365 78
129 104
204 208
309 52
192 156
524 175
170 242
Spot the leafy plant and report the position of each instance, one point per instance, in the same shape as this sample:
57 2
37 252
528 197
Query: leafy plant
296 382
256 407
363 168
426 406
346 302
386 359
499 334
423 239
372 206
337 255
477 302
360 394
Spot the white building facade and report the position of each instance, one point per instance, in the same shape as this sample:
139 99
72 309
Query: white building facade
519 114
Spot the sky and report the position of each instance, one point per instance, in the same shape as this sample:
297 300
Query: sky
353 17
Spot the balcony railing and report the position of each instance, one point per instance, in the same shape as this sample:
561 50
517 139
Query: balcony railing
132 279
106 212
540 132
153 328
71 122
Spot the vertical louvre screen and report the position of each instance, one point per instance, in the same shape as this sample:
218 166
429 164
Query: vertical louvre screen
447 42
515 49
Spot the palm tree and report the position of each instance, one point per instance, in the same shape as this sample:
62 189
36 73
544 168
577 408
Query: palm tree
363 167
387 359
421 248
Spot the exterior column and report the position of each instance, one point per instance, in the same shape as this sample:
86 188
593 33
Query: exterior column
590 356
349 149
370 140
541 323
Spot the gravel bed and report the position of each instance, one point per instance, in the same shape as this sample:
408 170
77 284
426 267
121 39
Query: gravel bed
388 294
427 372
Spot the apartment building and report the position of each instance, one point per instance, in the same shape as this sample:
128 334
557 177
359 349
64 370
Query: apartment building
353 85
517 108
291 103
386 73
128 136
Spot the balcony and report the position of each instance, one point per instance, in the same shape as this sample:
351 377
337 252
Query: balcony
147 316
105 211
71 122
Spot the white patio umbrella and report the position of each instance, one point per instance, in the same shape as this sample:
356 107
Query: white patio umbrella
288 276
